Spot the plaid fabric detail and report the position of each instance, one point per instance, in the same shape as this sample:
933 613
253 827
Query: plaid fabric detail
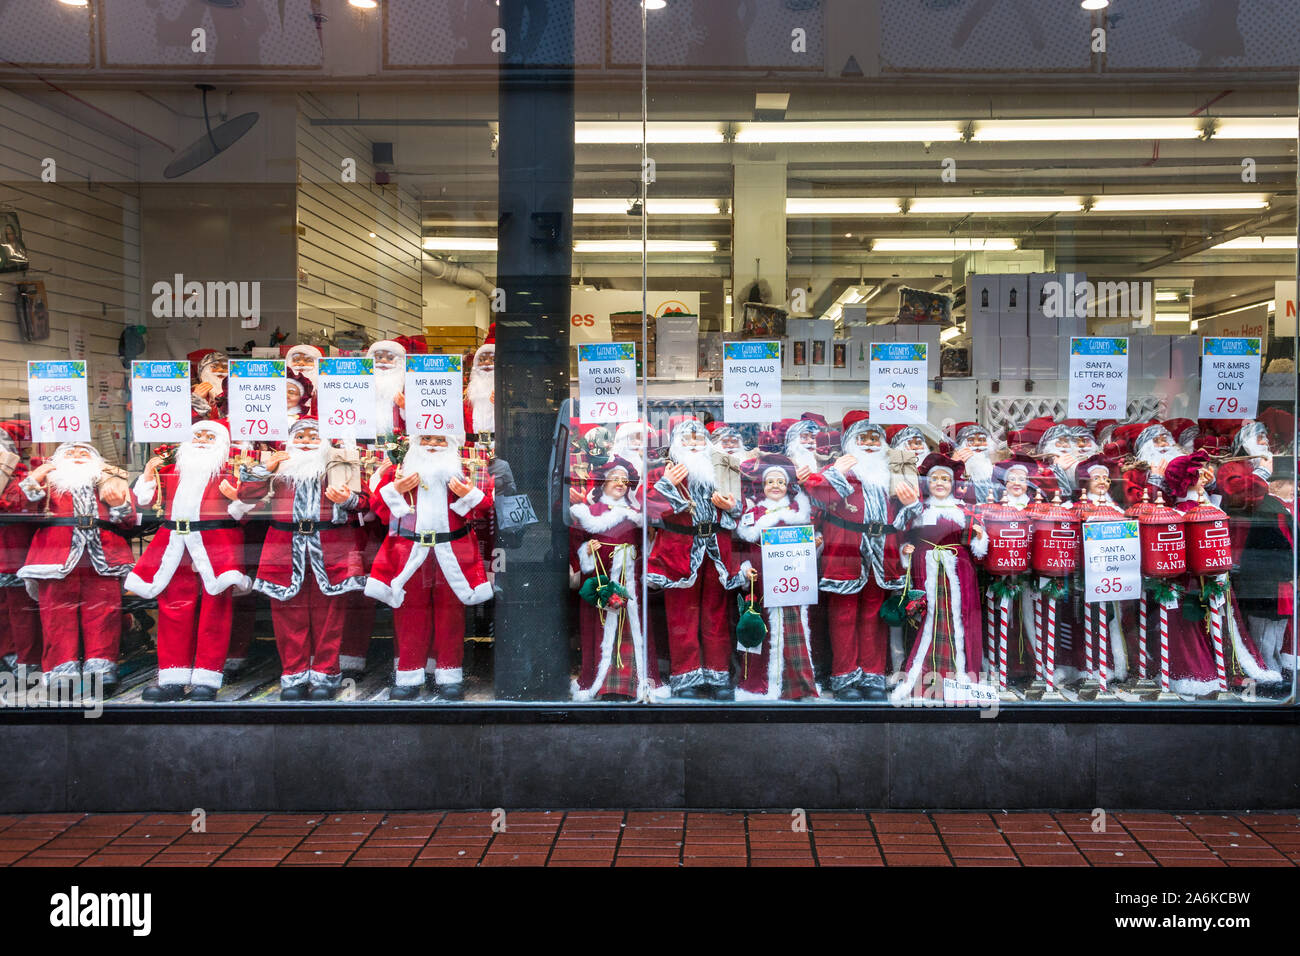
941 658
476 466
797 680
622 677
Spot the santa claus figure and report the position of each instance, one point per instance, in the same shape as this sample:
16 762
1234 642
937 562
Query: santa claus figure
1059 450
1264 585
939 551
20 640
193 562
390 386
909 441
300 394
301 359
208 368
428 568
76 563
630 444
729 440
1013 477
780 667
615 665
312 557
691 560
481 391
861 523
801 447
1153 449
1095 477
973 446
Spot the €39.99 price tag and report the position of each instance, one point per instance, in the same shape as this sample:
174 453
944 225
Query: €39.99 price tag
259 404
160 401
898 383
60 404
1112 557
345 389
1098 377
1229 377
751 381
789 566
606 383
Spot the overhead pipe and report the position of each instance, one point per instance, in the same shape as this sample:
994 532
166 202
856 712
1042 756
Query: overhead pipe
459 275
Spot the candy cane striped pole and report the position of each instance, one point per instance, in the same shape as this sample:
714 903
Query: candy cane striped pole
1038 636
989 624
1088 646
1216 630
1164 648
1103 647
1051 644
1142 636
1004 613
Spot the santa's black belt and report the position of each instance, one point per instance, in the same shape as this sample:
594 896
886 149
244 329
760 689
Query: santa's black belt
698 530
212 524
429 538
85 523
303 526
875 529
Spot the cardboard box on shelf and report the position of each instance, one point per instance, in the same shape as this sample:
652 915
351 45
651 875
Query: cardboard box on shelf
983 293
985 354
1015 294
1013 347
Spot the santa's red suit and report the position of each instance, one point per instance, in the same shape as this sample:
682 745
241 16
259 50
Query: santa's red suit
312 557
74 568
480 392
690 558
428 569
191 565
861 524
20 642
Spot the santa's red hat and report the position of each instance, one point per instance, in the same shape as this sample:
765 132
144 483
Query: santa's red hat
489 346
1181 473
201 359
936 461
1280 425
1084 469
1124 438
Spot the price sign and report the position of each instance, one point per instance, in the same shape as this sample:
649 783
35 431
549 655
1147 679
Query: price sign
259 402
1098 377
751 381
1229 377
160 401
433 395
789 566
345 397
898 392
607 383
60 405
961 690
1112 556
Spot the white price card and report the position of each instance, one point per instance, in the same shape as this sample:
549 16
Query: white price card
434 400
259 402
1098 377
606 383
1229 377
60 405
160 401
751 381
1112 561
898 383
962 690
345 398
789 566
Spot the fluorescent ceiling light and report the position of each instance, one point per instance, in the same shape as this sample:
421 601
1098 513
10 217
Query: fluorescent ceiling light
654 207
1190 202
942 244
1255 127
1257 243
923 131
1086 129
654 4
364 4
460 244
633 246
840 206
1000 204
75 3
620 133
1095 4
1167 295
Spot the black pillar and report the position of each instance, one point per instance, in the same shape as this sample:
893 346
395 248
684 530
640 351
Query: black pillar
534 264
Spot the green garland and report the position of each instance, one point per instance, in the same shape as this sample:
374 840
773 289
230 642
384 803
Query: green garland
600 591
1164 590
1054 589
1008 587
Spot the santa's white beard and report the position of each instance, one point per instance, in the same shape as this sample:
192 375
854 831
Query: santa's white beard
305 464
633 455
1153 455
196 465
218 382
388 382
801 455
979 467
872 468
71 475
481 386
1254 447
699 464
434 467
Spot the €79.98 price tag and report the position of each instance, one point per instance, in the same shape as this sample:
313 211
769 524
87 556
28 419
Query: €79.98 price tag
258 403
789 566
606 383
1098 377
898 383
1229 377
751 381
433 395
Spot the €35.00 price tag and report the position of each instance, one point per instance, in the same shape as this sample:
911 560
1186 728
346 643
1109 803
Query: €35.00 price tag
1098 377
60 404
160 401
751 381
258 403
1112 556
606 383
345 390
789 566
1229 377
433 395
898 377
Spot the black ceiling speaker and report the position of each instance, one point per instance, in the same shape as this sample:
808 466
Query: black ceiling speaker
217 140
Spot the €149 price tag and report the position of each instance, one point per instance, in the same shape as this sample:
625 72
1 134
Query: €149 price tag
60 405
258 403
1112 556
606 383
751 381
898 389
433 395
1098 377
789 566
160 401
345 390
1229 377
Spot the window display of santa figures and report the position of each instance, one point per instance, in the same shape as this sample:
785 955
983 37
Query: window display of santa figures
938 552
390 386
77 559
1264 583
208 370
20 640
312 557
192 563
614 661
690 558
428 566
780 667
